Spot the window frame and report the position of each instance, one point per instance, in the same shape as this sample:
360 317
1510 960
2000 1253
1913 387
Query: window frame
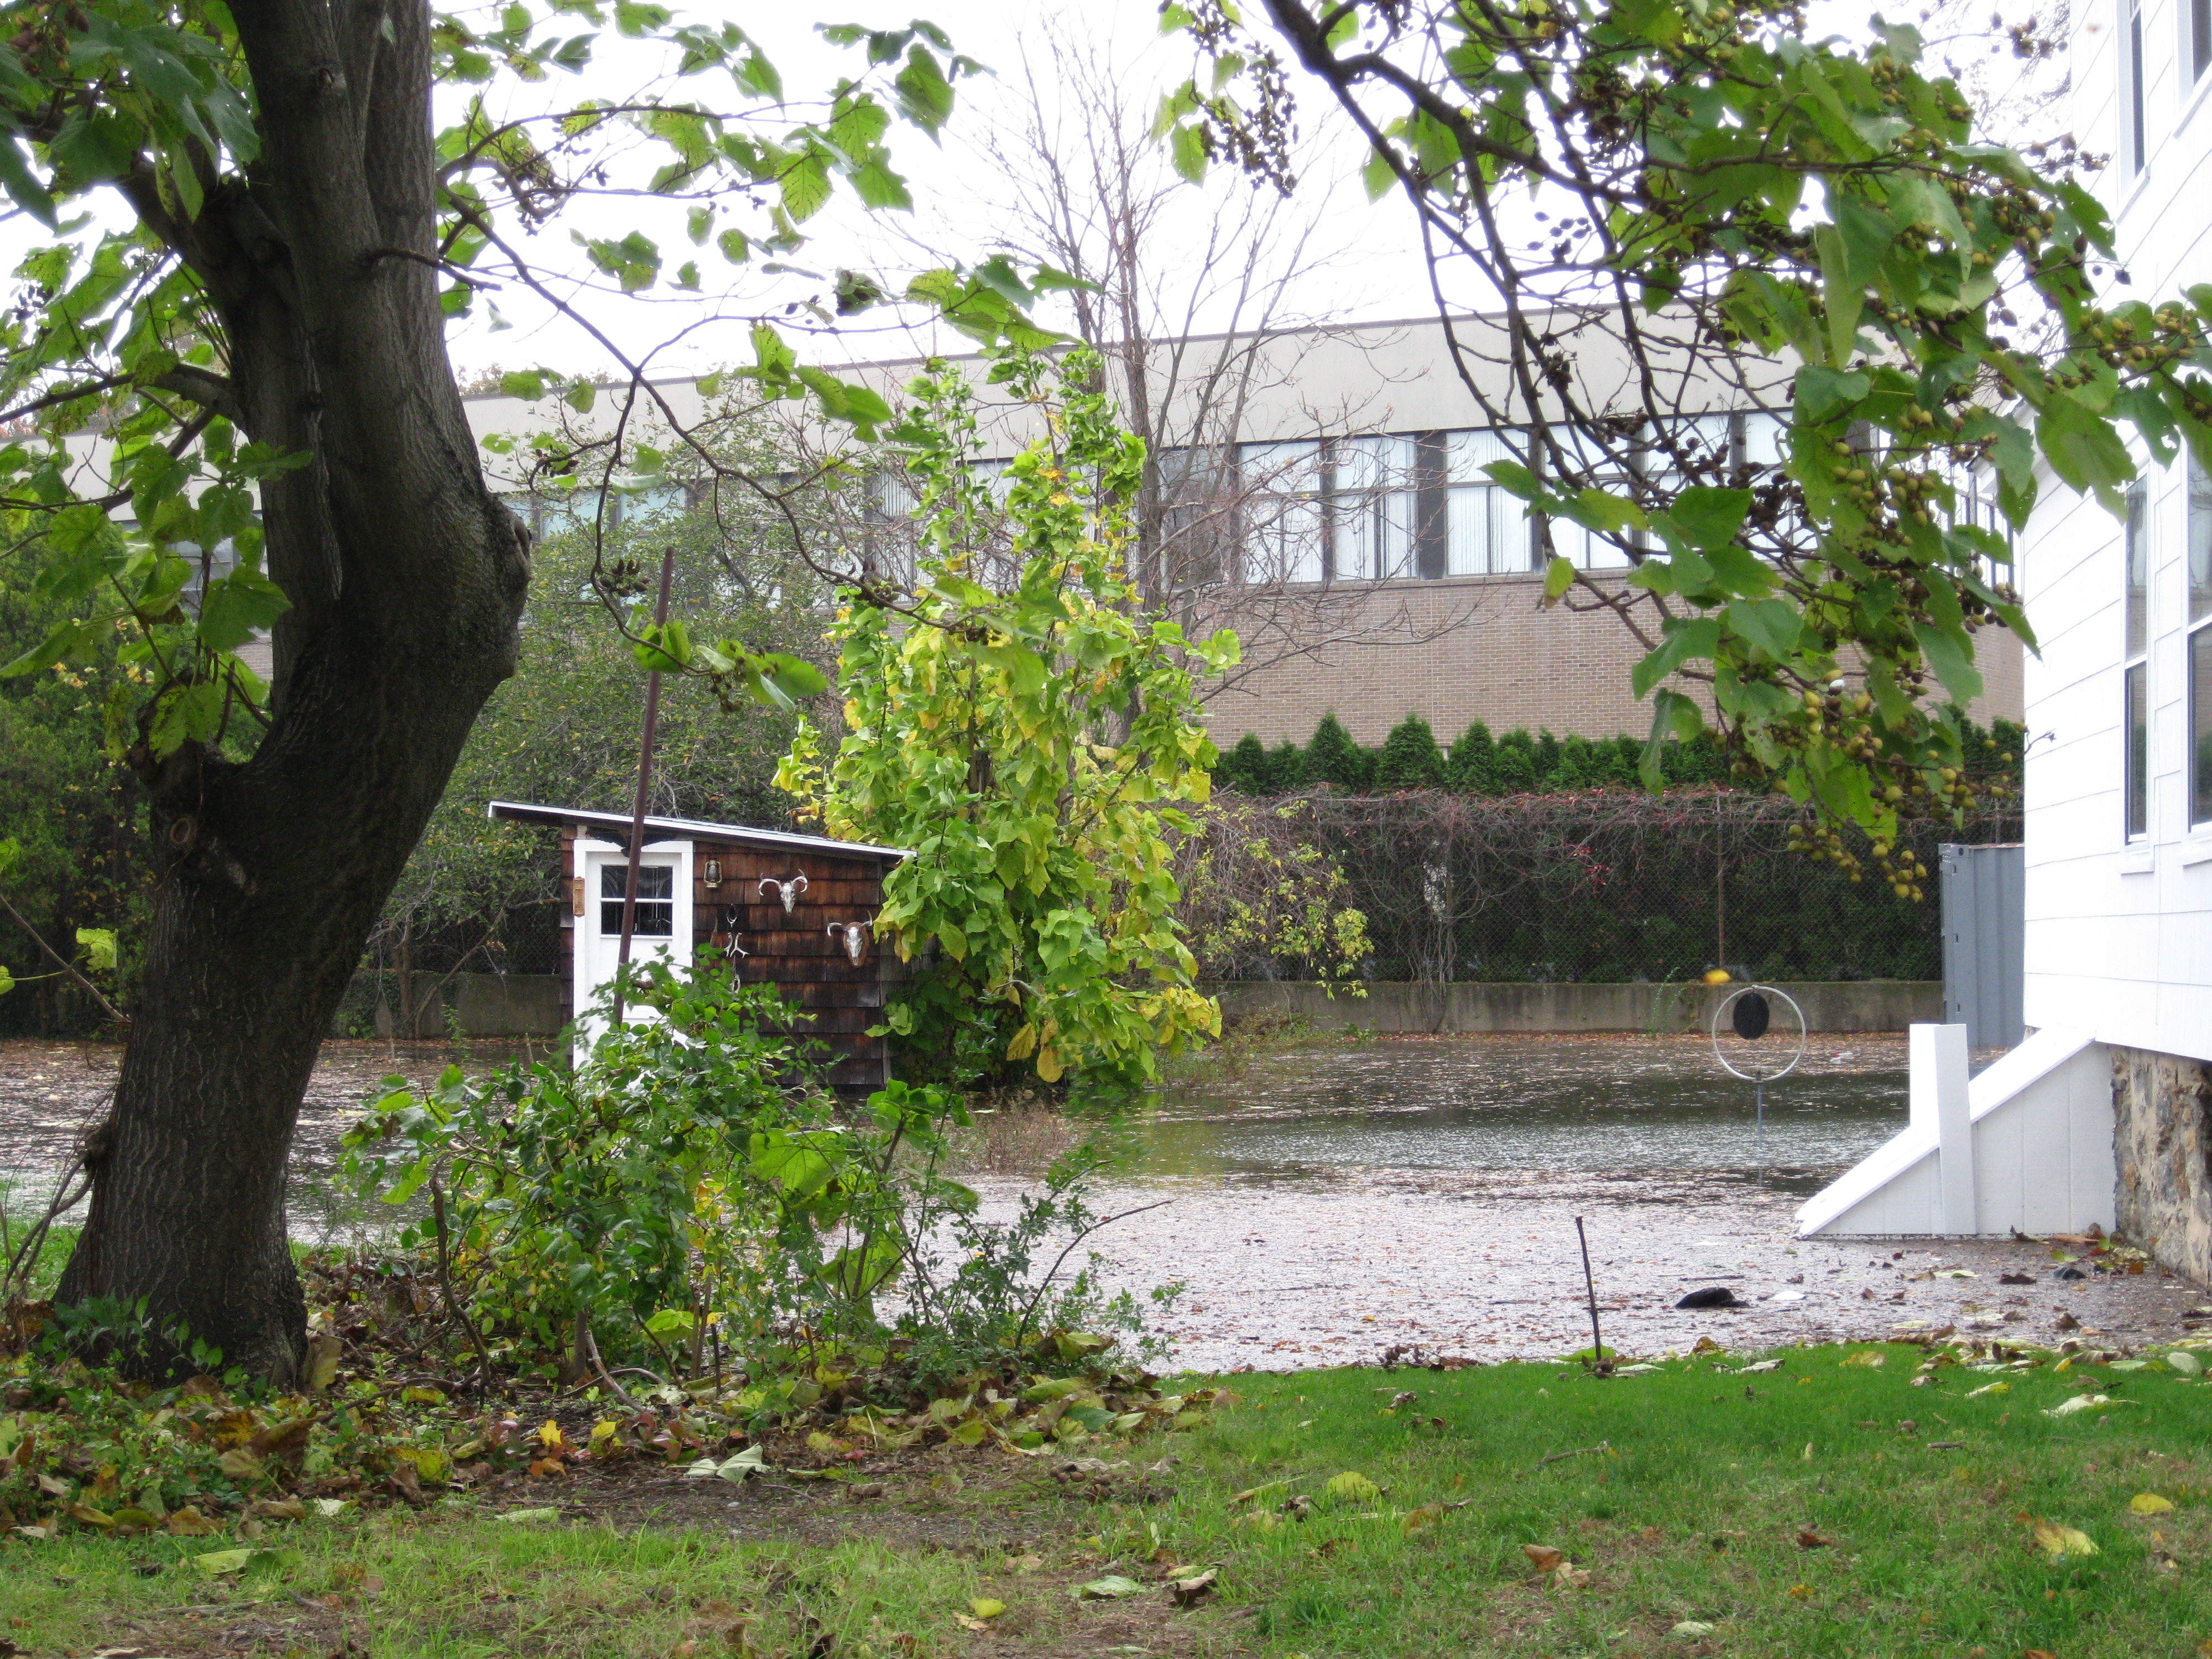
2135 89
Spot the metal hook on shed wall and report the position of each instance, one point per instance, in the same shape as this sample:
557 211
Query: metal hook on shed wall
787 891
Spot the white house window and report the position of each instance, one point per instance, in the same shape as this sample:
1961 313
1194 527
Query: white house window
655 917
2134 671
2132 73
2196 50
2200 644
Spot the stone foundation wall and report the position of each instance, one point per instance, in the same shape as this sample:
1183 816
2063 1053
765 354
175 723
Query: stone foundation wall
2162 1146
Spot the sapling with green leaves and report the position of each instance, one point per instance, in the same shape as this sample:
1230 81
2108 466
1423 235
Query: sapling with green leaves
1034 744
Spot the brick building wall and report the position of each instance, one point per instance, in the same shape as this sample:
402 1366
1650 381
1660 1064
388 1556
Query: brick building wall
1455 651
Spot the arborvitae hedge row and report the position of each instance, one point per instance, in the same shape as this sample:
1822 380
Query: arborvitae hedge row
1516 764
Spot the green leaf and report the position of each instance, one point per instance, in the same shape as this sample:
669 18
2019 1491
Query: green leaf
1559 577
98 945
65 641
1186 150
1952 658
1822 394
1710 518
2083 449
1772 625
237 607
1683 641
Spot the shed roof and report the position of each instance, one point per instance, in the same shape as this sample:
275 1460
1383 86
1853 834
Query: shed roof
689 830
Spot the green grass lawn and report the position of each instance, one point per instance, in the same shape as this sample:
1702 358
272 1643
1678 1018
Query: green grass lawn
1825 1508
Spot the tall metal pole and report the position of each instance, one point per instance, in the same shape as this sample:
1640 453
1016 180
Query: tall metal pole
644 788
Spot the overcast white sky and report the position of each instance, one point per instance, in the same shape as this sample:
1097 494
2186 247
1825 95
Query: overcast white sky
960 202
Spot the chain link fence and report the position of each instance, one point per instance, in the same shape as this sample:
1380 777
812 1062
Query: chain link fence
1603 886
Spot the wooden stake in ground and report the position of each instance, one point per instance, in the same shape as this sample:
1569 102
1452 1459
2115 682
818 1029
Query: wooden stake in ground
1598 1361
644 789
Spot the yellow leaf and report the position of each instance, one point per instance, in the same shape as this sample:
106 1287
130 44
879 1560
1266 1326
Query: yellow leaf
2057 1542
422 1396
1350 1488
1427 1515
2149 1503
1989 1387
819 1442
984 1608
1869 1357
549 1432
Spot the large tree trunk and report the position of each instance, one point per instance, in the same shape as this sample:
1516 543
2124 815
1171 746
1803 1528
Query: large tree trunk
406 577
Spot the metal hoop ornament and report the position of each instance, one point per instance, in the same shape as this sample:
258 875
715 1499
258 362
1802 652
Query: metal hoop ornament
1728 1002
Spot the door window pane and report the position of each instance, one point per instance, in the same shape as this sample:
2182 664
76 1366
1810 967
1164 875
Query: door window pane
655 917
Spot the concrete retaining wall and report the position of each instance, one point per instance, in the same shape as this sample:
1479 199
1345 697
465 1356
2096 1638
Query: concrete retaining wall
1873 1004
529 1005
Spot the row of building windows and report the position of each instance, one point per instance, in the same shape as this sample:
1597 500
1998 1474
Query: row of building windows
2137 54
2197 656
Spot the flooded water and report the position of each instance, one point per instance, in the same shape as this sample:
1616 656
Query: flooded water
1322 1205
1622 1109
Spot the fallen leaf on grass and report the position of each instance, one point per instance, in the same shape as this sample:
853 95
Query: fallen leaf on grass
1801 1591
1691 1629
2059 1542
189 1523
1809 1540
2186 1361
1188 1592
984 1608
1107 1588
2039 1653
221 1564
1427 1516
1866 1357
1989 1387
1026 1564
962 1620
1251 1493
2149 1503
528 1517
2081 1403
1351 1487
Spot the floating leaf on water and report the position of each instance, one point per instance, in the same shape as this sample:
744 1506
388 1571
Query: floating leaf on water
2149 1503
2057 1542
1107 1588
1351 1487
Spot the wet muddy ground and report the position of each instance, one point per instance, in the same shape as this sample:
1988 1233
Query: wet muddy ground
1332 1201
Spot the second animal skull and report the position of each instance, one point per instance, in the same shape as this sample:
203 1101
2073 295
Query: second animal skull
853 937
787 891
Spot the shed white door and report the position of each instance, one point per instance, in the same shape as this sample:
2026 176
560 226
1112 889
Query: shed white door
662 925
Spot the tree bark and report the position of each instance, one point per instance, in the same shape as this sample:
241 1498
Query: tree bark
406 577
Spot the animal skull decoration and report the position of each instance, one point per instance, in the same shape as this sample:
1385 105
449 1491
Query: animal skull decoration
788 891
853 936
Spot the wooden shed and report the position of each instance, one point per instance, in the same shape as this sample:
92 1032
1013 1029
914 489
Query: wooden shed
796 912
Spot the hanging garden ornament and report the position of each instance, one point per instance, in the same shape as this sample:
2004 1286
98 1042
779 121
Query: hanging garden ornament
1749 1011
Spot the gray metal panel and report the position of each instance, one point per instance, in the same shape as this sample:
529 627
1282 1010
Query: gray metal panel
1985 942
687 830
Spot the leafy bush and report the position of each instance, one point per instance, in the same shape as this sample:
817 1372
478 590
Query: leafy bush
686 1180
